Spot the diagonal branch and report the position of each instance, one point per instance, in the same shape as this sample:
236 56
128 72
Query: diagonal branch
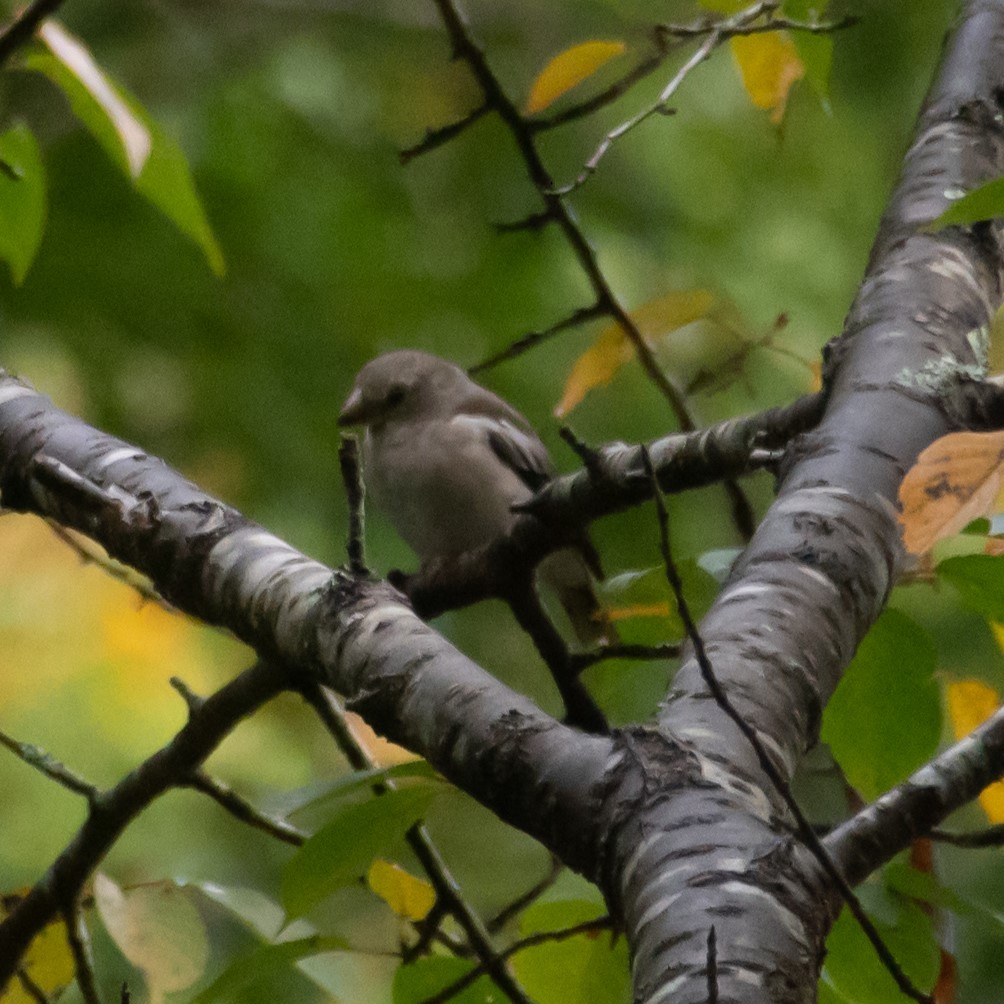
19 31
766 762
112 811
912 809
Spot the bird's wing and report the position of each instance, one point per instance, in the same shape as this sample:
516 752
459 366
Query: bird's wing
515 443
510 437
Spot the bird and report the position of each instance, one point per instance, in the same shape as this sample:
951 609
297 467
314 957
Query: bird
446 460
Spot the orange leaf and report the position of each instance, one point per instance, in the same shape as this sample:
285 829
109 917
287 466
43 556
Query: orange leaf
638 610
383 751
612 349
970 704
567 70
955 480
770 66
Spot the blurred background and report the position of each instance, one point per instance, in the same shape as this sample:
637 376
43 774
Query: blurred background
292 115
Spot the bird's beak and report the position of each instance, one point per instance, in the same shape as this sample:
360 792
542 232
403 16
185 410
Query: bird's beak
353 411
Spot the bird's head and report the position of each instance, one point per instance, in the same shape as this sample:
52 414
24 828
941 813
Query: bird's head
401 385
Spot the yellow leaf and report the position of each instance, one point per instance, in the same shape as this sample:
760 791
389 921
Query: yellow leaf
409 897
567 70
612 349
48 963
769 66
955 480
970 704
158 929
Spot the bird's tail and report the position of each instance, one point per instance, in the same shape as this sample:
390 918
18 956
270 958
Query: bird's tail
568 575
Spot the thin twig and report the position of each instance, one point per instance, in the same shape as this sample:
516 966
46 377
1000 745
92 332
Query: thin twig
714 32
240 808
20 30
668 38
355 493
992 836
530 941
437 137
606 302
581 316
581 661
93 554
466 48
111 811
520 903
79 940
35 756
447 888
807 833
31 988
580 708
657 107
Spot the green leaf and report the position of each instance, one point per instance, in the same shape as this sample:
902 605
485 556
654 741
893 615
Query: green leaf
341 851
854 970
356 782
425 978
645 593
167 183
22 200
979 578
908 881
582 969
884 719
264 963
135 144
815 51
983 203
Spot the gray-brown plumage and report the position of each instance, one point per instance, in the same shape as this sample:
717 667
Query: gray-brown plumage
446 460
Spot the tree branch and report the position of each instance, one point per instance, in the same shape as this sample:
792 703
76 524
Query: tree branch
111 811
20 30
912 809
615 482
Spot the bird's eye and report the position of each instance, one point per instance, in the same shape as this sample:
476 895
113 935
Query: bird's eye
395 397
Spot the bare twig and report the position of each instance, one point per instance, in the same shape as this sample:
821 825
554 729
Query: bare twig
581 316
437 137
520 903
242 809
91 554
668 37
79 940
111 811
992 836
657 107
20 30
581 661
43 762
466 48
355 493
543 937
805 829
31 988
448 890
756 19
580 708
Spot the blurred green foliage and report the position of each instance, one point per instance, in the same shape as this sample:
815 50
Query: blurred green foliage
291 114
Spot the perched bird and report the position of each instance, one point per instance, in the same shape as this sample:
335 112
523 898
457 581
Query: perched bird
446 459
